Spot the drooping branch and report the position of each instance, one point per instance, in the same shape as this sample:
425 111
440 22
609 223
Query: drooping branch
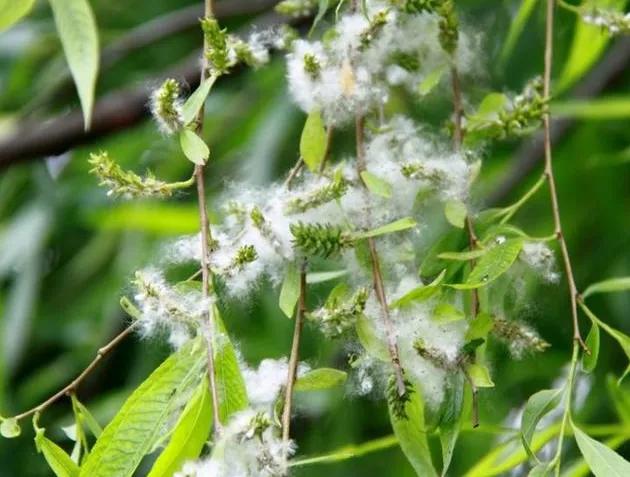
573 292
531 153
117 111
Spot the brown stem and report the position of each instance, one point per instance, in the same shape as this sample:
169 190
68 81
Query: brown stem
206 238
70 388
294 358
293 173
458 139
377 276
573 292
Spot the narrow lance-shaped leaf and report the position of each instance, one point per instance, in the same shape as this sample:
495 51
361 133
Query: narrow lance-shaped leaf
420 294
318 379
603 461
142 420
230 383
396 226
56 458
412 436
537 406
493 264
313 141
194 148
195 102
608 286
455 212
11 11
290 291
516 27
79 36
189 436
376 185
589 360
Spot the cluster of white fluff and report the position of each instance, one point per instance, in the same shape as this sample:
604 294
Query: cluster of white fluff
615 22
265 383
248 447
261 218
542 259
362 58
166 309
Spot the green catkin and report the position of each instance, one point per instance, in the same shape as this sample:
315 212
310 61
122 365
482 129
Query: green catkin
519 337
217 46
397 402
323 240
337 317
332 191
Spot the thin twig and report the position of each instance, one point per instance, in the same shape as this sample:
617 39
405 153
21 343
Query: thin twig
573 292
377 276
293 173
206 239
294 358
458 139
70 388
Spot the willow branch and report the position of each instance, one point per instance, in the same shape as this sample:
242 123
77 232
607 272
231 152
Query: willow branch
74 384
573 292
294 358
458 139
377 276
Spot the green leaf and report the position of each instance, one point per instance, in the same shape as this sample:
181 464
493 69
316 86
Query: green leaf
607 108
323 8
456 212
194 148
10 428
313 141
603 461
589 42
144 417
86 415
516 28
195 102
608 286
537 406
412 436
58 460
11 11
451 419
544 469
491 104
620 398
480 327
348 452
376 185
420 294
479 375
621 338
446 313
79 36
318 379
368 338
463 256
431 80
158 218
290 291
589 361
396 226
189 436
230 383
321 277
493 264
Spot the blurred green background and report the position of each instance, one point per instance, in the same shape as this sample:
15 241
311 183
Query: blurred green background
67 252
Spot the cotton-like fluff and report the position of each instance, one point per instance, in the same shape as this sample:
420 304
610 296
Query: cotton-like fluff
265 383
165 309
249 446
352 70
410 160
541 258
413 323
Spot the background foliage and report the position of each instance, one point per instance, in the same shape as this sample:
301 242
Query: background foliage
67 252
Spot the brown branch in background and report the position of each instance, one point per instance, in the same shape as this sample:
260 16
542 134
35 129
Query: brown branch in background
531 153
294 358
377 276
458 139
74 384
206 239
117 111
551 179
